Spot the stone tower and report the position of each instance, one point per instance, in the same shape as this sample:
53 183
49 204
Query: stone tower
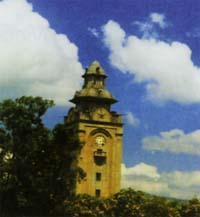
100 131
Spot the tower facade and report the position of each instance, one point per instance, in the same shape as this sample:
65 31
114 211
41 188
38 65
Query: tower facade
100 132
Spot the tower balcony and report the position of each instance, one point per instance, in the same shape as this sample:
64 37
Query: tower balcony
99 157
100 153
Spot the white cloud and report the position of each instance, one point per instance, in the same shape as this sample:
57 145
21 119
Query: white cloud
35 60
175 141
158 19
148 27
141 169
94 32
132 120
184 180
177 184
166 68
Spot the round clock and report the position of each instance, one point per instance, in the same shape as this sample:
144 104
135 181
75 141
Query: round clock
100 140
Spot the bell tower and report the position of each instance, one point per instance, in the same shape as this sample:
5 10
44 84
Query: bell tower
100 131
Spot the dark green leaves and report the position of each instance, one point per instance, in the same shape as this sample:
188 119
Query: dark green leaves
30 160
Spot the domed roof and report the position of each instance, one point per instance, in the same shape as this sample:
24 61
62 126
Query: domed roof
94 93
95 69
94 88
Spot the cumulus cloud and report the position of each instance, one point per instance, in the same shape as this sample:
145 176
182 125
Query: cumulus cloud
166 68
132 120
141 169
174 141
177 184
143 177
179 179
35 60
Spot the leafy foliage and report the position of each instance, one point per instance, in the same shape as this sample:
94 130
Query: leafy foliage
35 162
68 156
25 145
130 203
191 208
86 206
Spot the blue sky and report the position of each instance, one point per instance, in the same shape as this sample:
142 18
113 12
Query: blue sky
150 51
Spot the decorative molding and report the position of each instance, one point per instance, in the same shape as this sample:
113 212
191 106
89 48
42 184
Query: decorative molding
100 130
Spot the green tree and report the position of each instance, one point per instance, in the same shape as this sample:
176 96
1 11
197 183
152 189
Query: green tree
191 208
86 206
33 162
159 206
25 144
128 202
69 149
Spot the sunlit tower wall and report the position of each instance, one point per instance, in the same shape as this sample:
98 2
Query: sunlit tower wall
100 132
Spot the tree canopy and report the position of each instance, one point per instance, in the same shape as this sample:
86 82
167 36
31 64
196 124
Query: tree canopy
36 175
131 203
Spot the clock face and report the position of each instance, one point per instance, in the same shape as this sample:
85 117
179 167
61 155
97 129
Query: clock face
101 114
100 140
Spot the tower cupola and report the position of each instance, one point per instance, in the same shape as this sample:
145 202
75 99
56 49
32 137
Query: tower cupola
94 86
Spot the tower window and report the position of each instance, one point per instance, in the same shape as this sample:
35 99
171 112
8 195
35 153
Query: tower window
98 192
98 176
